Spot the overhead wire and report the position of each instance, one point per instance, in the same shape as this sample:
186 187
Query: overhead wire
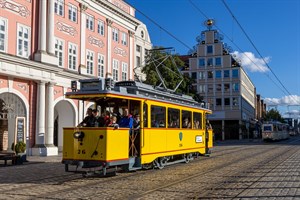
231 40
249 39
158 25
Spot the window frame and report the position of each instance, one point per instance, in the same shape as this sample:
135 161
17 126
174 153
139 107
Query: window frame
90 55
5 33
62 51
115 71
73 56
100 65
124 71
115 34
90 22
101 27
156 121
72 9
59 5
23 41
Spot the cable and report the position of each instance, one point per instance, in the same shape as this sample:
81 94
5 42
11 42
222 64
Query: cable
165 30
197 8
227 7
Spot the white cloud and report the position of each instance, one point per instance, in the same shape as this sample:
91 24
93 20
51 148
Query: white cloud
291 114
291 100
251 63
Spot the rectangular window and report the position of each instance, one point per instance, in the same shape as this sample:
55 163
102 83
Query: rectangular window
124 71
59 52
210 62
218 87
226 73
72 51
201 75
59 6
115 70
218 74
235 101
186 119
226 87
194 75
202 88
23 42
218 102
235 87
201 62
158 117
209 49
72 13
3 34
89 62
115 34
100 65
210 74
138 48
90 22
218 61
227 101
124 39
100 28
138 61
197 117
235 73
173 118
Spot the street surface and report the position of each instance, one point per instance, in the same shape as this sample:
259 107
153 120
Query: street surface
236 170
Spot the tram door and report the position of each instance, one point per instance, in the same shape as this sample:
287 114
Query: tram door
135 132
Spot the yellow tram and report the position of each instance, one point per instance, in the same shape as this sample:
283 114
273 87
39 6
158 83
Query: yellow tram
172 128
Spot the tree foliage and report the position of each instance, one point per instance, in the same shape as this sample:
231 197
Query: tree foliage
274 115
170 72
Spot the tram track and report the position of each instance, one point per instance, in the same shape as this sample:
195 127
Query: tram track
194 176
155 188
147 182
287 153
75 181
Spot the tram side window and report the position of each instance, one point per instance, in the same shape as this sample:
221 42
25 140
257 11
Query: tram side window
197 123
186 119
158 117
145 115
173 118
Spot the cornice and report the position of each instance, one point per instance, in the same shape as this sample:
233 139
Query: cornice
117 11
12 59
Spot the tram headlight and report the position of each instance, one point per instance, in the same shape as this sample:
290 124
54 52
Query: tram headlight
78 135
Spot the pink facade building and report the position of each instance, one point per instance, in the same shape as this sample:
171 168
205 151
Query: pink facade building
44 45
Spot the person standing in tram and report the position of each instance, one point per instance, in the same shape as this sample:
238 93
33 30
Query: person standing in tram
126 121
89 120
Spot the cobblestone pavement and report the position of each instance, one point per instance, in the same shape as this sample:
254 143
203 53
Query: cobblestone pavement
236 170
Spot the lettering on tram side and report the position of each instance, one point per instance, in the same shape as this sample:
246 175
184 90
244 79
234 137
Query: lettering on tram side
180 138
81 151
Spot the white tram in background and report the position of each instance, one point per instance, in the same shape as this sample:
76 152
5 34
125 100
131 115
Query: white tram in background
274 131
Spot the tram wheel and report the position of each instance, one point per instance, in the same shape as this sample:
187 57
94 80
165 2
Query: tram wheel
188 157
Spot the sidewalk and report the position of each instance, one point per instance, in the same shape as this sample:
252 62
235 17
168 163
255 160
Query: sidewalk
57 158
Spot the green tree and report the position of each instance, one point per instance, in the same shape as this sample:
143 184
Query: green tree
169 66
274 115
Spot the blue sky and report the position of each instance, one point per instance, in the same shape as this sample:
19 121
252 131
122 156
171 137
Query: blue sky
272 25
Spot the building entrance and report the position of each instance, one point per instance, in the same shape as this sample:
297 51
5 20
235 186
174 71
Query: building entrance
11 106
